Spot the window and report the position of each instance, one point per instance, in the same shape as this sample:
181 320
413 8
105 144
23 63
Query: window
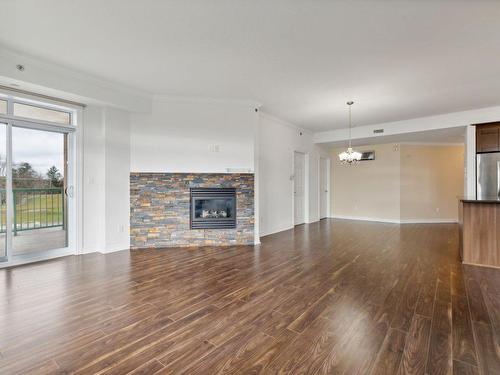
3 106
44 114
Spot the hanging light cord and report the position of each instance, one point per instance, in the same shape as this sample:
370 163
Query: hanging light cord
350 125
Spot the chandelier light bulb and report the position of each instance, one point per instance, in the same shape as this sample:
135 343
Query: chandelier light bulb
350 157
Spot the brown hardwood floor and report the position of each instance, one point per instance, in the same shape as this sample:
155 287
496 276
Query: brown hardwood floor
339 297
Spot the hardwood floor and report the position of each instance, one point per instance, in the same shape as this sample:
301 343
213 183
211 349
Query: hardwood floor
339 297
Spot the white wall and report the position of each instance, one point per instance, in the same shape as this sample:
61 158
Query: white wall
183 135
117 179
106 170
432 177
94 179
163 134
369 190
277 142
406 183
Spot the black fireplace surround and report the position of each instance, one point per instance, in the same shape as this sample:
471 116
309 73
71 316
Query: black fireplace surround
213 208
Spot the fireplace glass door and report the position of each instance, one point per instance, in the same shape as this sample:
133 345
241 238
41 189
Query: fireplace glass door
213 208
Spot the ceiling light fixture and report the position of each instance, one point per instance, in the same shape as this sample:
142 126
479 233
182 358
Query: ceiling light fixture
350 157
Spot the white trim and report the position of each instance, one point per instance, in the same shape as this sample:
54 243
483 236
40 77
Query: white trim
21 122
277 230
376 220
428 221
205 99
256 179
285 123
114 247
305 215
9 194
47 78
395 221
329 187
420 124
365 218
444 144
78 183
307 190
327 177
19 260
37 97
470 162
33 123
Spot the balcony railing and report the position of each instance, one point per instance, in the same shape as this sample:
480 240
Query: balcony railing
36 208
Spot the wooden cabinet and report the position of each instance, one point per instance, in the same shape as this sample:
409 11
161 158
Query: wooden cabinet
479 233
488 137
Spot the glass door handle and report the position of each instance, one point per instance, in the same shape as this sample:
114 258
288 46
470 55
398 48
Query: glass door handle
69 191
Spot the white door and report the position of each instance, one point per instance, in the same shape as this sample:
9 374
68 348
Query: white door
323 188
299 184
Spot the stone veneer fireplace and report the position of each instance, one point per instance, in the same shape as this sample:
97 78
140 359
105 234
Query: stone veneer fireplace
162 209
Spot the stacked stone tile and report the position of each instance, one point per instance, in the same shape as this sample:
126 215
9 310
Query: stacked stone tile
160 204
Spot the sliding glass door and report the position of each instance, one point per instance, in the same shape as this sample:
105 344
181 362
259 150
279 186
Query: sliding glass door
3 192
39 161
36 175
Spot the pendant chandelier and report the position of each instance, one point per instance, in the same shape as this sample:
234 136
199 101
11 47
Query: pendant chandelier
350 157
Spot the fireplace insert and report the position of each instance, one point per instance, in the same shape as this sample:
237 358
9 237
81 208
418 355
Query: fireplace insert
213 208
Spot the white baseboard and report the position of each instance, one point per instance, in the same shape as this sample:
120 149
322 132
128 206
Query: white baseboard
396 221
428 221
365 218
273 231
113 247
277 230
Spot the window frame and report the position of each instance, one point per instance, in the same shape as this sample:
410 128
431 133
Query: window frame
13 98
75 166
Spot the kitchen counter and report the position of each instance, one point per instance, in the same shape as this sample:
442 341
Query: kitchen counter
480 200
479 221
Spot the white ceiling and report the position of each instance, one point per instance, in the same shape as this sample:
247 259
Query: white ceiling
438 136
301 59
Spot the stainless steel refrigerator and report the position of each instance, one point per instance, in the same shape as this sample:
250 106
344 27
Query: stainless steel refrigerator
488 175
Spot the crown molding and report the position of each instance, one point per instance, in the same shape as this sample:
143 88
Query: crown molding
284 123
414 125
444 144
48 78
206 99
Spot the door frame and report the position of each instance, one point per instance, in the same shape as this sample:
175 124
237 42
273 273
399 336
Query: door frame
74 168
327 179
306 188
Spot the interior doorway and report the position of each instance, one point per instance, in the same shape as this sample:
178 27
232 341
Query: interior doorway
299 184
